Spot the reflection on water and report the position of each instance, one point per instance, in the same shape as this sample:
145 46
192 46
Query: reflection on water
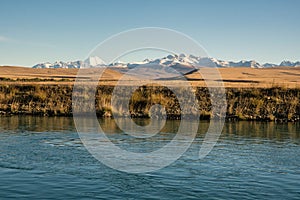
36 124
252 160
268 130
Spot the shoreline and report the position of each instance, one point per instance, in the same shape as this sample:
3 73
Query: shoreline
251 104
271 94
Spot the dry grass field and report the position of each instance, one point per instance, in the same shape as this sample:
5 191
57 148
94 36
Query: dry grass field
232 77
29 76
252 94
259 78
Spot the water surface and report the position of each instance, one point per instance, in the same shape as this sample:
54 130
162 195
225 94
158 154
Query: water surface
43 158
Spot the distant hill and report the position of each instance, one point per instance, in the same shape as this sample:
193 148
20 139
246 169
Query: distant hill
179 61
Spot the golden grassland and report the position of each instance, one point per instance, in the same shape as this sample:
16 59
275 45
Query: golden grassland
258 78
287 77
252 94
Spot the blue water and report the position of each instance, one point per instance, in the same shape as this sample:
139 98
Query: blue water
43 158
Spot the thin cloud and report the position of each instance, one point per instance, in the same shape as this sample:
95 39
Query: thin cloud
4 39
37 44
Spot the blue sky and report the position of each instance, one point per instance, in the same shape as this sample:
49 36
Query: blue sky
40 30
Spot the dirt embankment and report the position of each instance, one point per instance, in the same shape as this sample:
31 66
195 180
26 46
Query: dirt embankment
266 104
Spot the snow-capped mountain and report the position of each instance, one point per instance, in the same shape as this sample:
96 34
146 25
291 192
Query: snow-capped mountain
269 65
290 64
176 61
168 61
59 64
244 63
190 60
92 61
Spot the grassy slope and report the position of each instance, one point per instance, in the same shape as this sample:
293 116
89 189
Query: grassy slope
232 77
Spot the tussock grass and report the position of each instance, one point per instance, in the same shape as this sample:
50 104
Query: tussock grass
267 104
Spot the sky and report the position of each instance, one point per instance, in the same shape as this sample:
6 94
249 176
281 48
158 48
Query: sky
35 31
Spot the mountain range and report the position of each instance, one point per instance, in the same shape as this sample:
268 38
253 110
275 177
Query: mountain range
176 61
